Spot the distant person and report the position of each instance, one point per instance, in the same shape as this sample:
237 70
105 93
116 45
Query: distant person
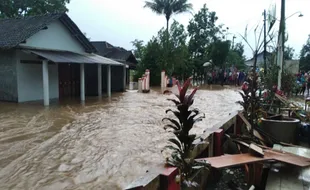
230 79
308 85
303 85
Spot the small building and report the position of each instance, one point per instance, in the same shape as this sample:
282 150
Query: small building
260 60
289 65
115 53
48 57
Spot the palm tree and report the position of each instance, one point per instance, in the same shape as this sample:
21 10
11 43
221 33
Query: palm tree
169 7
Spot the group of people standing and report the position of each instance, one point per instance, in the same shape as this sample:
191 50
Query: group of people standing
303 83
227 76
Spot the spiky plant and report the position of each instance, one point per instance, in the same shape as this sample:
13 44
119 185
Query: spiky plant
182 144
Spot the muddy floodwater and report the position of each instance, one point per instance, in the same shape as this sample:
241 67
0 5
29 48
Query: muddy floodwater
103 144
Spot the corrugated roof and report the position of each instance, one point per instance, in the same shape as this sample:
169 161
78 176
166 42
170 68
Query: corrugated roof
71 57
14 31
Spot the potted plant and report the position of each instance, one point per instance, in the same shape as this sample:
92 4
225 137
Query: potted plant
182 143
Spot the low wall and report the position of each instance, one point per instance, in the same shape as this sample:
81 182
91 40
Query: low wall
164 178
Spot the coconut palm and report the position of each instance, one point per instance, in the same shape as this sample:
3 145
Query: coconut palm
169 7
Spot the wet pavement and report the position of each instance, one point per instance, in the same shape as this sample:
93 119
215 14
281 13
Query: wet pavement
103 144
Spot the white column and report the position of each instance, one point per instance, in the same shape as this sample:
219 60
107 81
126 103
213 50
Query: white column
163 76
109 80
125 75
82 81
99 80
46 94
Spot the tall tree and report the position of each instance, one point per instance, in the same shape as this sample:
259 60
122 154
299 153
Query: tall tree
235 56
168 8
202 31
218 52
138 48
239 48
305 56
288 53
17 8
179 57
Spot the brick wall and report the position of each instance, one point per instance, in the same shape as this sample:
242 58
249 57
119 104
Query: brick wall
8 78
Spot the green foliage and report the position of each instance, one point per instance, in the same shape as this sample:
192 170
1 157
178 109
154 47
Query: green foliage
152 60
234 58
160 54
181 57
9 8
218 52
202 31
139 48
182 145
288 53
270 79
169 7
251 102
305 56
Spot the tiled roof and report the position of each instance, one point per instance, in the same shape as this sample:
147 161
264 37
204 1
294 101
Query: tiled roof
14 31
117 53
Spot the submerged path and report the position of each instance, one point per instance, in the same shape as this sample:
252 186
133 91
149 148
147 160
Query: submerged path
101 145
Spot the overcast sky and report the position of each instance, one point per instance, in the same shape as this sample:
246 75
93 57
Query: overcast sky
121 21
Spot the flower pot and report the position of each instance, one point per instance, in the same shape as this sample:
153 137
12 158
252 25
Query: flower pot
283 129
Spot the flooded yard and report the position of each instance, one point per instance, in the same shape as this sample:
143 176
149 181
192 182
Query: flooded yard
103 144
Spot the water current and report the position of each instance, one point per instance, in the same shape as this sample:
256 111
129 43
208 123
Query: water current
102 144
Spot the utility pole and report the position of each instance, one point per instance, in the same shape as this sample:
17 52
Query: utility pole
265 44
281 41
233 41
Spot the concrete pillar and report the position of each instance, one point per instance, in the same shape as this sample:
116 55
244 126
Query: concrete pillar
140 85
163 78
125 77
82 81
46 94
109 80
99 80
147 73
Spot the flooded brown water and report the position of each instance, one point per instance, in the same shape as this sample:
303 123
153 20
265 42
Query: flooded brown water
103 144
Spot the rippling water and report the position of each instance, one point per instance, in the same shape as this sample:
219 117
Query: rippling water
103 144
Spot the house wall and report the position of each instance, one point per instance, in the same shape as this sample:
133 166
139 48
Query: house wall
292 66
30 79
55 37
8 76
117 75
259 61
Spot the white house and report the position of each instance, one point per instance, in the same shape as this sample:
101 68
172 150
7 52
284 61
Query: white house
48 57
259 60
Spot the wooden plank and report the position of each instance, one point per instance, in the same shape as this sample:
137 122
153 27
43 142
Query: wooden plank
287 158
233 160
240 159
256 150
248 125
